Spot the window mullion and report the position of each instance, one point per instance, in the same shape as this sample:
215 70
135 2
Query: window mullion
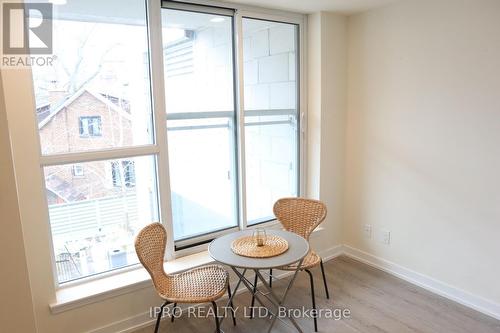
302 104
160 119
91 156
240 114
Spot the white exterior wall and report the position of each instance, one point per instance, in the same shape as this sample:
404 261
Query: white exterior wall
269 67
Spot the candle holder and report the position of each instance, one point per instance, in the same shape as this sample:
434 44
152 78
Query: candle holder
259 235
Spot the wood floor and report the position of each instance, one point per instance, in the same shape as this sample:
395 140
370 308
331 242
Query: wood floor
378 302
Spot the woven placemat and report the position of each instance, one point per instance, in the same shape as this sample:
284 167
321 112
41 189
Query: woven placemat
247 247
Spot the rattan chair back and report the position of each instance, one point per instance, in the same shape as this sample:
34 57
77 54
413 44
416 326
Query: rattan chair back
300 215
150 246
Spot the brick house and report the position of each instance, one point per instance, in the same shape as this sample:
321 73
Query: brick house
81 122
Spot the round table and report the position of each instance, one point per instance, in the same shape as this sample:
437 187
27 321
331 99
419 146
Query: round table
220 250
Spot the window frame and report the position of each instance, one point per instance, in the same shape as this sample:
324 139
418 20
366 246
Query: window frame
158 148
122 153
191 244
200 243
78 170
89 121
301 135
128 167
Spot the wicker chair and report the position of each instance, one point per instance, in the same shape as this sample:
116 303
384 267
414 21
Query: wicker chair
199 285
302 216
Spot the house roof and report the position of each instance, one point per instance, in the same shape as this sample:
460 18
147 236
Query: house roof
63 189
69 100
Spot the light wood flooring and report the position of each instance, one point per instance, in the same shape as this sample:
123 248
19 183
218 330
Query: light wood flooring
378 302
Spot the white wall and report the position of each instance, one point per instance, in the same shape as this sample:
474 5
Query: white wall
423 137
327 107
17 311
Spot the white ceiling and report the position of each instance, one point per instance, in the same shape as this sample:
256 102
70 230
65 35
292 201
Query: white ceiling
134 11
309 6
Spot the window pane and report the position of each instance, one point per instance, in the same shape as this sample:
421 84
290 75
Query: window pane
271 123
96 95
94 216
200 111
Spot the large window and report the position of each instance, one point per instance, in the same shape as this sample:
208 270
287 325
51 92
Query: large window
93 109
271 115
199 93
183 114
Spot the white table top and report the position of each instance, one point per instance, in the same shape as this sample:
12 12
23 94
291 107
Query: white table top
220 250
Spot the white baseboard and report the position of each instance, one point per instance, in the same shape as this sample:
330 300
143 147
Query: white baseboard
127 325
438 287
482 305
331 252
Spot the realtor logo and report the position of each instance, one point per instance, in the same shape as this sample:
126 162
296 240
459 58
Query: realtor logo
27 28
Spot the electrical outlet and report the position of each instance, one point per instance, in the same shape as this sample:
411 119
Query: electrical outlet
367 231
386 237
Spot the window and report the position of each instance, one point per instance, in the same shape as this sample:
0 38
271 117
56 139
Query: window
124 170
78 170
200 120
94 224
214 133
101 68
99 85
129 173
90 126
271 115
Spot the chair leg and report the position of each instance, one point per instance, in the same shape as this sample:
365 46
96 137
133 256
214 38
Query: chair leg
313 300
270 277
172 315
159 316
231 304
253 296
216 315
324 279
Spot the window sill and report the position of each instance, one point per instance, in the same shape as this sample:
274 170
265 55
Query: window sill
71 297
75 296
